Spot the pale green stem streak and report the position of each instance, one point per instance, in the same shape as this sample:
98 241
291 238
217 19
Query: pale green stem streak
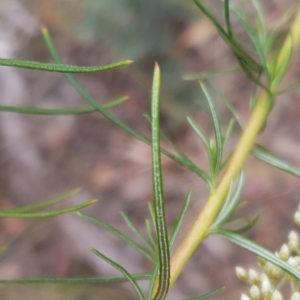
199 230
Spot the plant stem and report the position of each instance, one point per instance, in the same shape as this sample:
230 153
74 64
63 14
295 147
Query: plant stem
199 230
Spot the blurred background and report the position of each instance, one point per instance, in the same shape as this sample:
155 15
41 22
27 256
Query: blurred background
44 156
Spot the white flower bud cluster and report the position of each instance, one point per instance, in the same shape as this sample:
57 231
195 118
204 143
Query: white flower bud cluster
261 284
264 285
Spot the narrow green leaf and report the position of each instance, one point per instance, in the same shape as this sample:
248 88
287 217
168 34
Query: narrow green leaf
209 295
210 74
278 29
92 101
152 281
258 36
230 202
119 234
152 214
42 204
227 18
60 68
203 139
135 230
175 232
246 62
160 218
282 67
228 133
261 18
46 214
123 271
150 235
59 111
269 158
236 48
259 251
185 160
217 130
224 211
249 224
251 76
114 279
289 88
228 104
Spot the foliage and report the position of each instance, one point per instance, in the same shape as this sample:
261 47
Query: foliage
265 65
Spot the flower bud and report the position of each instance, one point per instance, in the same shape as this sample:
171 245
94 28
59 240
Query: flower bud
253 277
284 252
241 274
293 241
295 296
266 289
297 217
254 292
261 262
292 261
273 272
245 297
276 296
262 277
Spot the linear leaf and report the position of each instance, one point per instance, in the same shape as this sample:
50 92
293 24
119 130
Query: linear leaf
46 214
60 68
259 251
59 111
227 103
289 88
160 217
231 201
202 137
217 129
227 18
268 157
123 271
258 36
209 74
248 224
227 133
207 296
152 281
236 48
150 235
92 101
152 214
186 204
135 230
42 204
278 29
52 280
185 160
119 234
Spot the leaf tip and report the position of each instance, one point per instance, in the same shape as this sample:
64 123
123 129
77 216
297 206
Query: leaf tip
156 66
44 30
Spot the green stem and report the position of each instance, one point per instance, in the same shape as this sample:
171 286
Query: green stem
217 197
199 230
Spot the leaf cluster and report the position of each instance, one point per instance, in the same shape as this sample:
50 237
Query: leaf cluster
265 66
